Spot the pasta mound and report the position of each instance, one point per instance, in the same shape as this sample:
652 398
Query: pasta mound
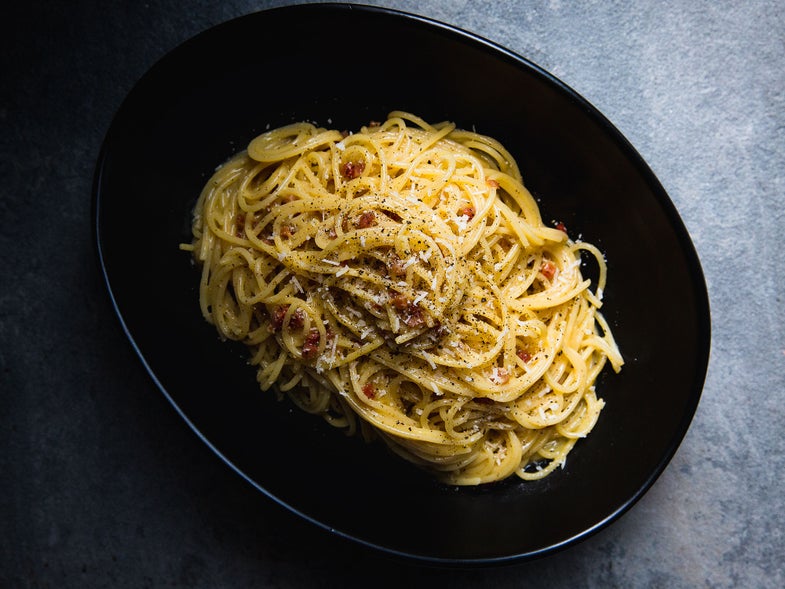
399 281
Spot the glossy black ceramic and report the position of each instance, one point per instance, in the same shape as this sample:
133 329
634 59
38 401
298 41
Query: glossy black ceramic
342 66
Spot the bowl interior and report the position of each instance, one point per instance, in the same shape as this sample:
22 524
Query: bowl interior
347 66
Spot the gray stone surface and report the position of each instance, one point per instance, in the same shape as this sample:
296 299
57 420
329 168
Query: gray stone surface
101 485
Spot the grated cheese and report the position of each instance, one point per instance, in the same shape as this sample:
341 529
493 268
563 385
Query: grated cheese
333 350
461 222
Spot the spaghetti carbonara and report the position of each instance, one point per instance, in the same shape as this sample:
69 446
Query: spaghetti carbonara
400 282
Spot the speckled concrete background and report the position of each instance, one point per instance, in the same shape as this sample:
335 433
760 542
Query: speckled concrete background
103 486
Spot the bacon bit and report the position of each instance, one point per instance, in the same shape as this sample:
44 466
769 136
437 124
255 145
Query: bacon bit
276 317
500 376
311 344
367 219
287 231
396 265
297 319
561 227
369 390
374 124
345 134
524 355
399 300
394 216
492 183
548 269
331 234
239 225
414 317
412 313
352 170
467 211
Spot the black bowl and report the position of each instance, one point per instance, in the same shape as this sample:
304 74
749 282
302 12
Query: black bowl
342 66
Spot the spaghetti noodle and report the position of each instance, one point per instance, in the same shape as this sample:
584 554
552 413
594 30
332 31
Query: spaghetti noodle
399 281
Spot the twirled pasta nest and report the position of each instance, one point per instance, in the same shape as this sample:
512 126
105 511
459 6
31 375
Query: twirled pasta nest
400 281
